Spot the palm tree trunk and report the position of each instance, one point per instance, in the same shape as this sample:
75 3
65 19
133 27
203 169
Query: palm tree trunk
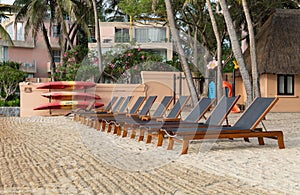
219 51
97 34
180 51
255 74
50 52
237 51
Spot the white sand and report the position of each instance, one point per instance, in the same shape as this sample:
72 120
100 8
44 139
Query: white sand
55 155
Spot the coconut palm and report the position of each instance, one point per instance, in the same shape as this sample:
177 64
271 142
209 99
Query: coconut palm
97 33
237 51
36 12
219 50
5 11
255 74
180 51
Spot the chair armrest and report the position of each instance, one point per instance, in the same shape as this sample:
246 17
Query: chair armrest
145 118
167 119
133 115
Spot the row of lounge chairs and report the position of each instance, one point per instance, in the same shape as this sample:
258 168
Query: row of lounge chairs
139 120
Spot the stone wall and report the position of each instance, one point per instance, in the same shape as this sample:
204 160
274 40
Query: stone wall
9 111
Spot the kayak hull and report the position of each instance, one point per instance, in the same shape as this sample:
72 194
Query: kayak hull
71 95
67 105
66 85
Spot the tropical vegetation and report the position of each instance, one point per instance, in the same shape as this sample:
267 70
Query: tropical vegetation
216 31
10 77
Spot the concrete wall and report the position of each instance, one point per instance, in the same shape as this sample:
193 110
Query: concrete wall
9 111
154 83
31 97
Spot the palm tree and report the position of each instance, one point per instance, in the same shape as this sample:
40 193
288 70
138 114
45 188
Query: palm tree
4 13
255 74
219 50
97 33
180 51
237 51
36 13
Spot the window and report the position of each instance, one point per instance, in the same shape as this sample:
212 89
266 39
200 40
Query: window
143 35
55 31
20 31
56 54
3 53
285 84
122 35
10 31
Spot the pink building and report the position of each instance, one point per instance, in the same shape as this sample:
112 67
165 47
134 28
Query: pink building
33 55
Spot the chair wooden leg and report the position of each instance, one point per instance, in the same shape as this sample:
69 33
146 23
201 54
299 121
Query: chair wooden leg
160 138
103 126
142 134
115 129
149 138
170 143
109 128
246 139
125 131
97 125
185 146
133 133
119 130
280 141
261 141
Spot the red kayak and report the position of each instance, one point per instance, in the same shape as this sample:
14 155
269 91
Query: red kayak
66 85
71 95
67 105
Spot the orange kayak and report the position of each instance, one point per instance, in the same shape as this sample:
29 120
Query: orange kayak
66 85
71 95
67 105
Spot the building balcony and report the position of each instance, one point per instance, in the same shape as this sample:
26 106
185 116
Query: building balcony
24 44
28 67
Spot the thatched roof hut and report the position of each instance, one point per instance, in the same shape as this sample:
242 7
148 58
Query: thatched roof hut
278 43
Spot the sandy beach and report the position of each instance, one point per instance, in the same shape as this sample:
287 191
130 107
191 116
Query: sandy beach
56 155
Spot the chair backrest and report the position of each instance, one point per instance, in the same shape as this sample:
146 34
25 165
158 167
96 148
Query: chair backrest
90 106
199 110
117 105
221 111
147 105
109 105
125 104
178 107
255 112
162 107
137 105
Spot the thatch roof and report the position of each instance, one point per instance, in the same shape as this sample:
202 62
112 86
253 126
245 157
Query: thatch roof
278 43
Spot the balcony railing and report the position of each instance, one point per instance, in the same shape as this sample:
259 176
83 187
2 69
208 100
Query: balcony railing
28 67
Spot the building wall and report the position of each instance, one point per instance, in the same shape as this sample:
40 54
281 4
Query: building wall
31 51
108 33
268 84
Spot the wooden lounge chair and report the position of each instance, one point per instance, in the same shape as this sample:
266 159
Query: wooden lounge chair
118 120
111 107
217 116
143 116
245 127
108 118
173 115
90 117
